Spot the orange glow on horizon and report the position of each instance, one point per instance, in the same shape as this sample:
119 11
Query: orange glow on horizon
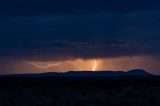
95 64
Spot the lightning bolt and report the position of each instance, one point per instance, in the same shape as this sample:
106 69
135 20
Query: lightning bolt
94 65
43 66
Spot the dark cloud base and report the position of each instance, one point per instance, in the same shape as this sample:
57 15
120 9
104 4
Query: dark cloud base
63 7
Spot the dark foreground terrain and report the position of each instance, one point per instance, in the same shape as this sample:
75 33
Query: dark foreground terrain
80 91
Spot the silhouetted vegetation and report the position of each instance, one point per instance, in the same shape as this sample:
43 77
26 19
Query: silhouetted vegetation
80 91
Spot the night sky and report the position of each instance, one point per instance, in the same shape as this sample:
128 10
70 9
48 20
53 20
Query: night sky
70 35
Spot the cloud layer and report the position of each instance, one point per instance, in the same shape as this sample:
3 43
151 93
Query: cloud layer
64 7
105 34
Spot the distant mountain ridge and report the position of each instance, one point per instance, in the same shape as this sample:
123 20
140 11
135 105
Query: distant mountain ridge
135 72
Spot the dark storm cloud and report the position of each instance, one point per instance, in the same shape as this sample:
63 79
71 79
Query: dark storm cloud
61 7
51 30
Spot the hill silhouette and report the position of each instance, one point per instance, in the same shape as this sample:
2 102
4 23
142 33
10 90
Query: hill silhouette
80 78
135 72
